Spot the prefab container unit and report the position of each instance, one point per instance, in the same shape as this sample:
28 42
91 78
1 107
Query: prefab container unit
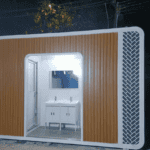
112 104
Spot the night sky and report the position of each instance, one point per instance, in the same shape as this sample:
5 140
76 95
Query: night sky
7 4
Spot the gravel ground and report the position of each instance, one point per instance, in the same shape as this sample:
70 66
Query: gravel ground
29 145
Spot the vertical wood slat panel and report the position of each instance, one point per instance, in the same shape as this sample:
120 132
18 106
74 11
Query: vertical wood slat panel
102 89
105 89
13 115
108 91
8 89
112 38
99 103
10 79
86 106
19 91
95 87
20 80
15 86
10 75
85 117
115 92
50 45
4 104
11 85
21 83
89 112
91 90
71 43
62 44
105 86
1 87
58 45
86 90
77 44
113 83
109 88
6 112
88 95
107 116
98 86
23 53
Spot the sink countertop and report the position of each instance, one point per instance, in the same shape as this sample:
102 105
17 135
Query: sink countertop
61 103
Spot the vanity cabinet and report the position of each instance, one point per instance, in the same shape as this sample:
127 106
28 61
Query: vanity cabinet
52 114
68 115
62 114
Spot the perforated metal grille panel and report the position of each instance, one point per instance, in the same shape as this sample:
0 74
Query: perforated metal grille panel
130 94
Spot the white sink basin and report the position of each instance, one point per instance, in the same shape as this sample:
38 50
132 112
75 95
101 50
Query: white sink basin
62 103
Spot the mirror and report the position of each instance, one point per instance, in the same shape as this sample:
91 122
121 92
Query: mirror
64 79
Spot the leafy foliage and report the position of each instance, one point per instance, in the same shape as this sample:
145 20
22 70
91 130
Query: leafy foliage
54 15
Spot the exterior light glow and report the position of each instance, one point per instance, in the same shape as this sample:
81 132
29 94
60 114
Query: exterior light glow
49 6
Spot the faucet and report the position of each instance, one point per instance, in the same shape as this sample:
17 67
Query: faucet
55 98
70 99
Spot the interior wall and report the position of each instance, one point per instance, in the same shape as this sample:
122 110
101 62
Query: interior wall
46 93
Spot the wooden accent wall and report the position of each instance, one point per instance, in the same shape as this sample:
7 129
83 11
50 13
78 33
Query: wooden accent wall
100 53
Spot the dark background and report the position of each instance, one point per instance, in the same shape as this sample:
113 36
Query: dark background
14 21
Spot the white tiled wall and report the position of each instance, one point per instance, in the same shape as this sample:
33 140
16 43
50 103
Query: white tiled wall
45 93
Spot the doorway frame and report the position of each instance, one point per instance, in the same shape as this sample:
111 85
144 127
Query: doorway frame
81 85
36 93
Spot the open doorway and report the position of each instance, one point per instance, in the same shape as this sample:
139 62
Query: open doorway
43 118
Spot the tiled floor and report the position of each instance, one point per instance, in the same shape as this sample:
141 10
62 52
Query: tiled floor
28 145
55 133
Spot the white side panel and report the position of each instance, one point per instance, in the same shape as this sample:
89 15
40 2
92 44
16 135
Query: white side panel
132 89
31 92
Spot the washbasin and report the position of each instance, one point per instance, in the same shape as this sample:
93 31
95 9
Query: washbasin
62 103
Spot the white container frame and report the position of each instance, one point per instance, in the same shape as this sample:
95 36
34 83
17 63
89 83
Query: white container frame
120 41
